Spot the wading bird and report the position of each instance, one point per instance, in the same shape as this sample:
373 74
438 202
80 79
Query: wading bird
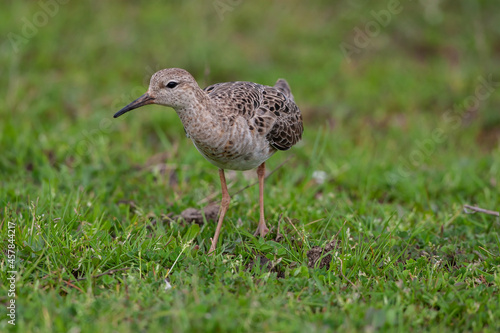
234 125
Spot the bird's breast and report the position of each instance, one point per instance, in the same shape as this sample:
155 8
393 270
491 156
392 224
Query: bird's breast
234 147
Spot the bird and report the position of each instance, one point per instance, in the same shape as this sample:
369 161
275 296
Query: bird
234 125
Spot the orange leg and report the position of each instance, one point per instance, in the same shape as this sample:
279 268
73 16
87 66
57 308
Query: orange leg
223 209
261 228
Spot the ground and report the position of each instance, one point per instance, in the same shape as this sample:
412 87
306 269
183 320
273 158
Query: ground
368 228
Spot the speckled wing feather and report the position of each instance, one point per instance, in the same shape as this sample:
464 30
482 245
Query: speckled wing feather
270 111
288 128
283 86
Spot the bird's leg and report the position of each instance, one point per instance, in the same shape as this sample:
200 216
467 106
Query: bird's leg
261 228
223 209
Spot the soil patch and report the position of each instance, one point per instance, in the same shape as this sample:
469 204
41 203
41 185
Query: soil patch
323 254
193 215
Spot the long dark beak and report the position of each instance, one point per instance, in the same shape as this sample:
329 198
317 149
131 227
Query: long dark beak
141 101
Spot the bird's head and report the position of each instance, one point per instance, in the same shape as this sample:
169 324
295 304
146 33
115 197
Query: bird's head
173 87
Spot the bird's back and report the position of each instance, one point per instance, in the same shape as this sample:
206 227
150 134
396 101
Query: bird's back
270 112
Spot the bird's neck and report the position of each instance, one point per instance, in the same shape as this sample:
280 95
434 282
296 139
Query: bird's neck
199 114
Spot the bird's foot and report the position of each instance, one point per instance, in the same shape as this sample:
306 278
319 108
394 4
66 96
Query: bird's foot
213 246
262 230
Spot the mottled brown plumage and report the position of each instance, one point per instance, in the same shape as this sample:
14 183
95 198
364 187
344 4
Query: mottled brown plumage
234 125
271 111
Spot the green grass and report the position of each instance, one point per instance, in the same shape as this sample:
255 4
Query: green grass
397 140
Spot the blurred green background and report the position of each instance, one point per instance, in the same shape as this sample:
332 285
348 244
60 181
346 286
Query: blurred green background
380 76
69 64
401 104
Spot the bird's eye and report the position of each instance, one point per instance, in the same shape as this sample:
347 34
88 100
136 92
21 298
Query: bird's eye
171 84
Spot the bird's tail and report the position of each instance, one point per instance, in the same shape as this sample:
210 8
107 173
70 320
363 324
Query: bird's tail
283 86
